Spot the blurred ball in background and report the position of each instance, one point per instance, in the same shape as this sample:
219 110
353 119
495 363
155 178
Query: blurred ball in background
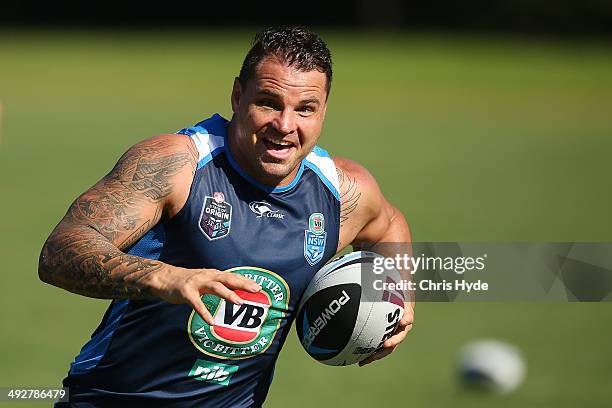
491 366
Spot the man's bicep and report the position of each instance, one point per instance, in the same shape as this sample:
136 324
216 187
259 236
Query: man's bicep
389 227
115 211
149 181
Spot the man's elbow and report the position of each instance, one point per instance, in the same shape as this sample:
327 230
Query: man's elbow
398 225
45 267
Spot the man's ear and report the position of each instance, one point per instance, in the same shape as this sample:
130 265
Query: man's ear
236 94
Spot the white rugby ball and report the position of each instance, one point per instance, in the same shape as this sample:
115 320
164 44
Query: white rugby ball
343 317
491 365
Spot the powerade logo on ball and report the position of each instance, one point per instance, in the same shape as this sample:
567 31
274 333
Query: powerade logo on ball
325 321
242 331
310 332
314 239
216 217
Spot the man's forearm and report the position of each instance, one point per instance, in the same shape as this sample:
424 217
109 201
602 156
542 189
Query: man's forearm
81 260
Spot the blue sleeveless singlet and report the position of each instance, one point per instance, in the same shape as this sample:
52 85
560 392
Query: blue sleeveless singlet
158 354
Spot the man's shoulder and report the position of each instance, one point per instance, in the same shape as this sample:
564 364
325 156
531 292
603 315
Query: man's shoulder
160 167
340 171
166 142
160 152
350 172
361 200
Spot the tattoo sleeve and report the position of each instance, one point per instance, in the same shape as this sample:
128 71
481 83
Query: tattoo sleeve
84 252
349 195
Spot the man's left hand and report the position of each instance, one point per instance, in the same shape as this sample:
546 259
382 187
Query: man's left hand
404 326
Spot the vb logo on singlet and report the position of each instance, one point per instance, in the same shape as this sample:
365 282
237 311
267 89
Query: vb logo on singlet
242 331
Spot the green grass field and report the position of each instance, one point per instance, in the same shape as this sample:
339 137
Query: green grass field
474 139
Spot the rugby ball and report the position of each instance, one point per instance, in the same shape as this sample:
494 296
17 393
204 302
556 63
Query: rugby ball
345 315
491 365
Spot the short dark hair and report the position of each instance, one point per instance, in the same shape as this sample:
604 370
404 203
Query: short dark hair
292 45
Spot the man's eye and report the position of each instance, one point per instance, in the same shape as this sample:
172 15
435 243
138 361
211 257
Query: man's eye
306 110
268 103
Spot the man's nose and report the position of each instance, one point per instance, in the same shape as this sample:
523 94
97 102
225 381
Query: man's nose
285 122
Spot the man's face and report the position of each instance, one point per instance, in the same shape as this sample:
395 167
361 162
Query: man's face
277 120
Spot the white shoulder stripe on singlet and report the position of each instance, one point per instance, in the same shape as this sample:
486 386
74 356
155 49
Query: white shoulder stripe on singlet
321 163
206 144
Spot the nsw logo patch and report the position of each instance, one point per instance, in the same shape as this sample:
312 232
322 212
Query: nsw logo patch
216 217
315 238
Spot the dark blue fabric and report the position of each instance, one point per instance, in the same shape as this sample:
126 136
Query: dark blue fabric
150 356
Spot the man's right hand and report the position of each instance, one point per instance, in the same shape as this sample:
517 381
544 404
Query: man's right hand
180 285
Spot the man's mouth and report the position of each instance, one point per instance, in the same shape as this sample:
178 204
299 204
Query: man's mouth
279 149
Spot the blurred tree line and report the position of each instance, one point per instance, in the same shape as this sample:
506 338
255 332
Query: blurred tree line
540 16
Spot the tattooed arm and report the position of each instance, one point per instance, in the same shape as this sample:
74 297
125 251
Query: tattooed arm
84 253
367 218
